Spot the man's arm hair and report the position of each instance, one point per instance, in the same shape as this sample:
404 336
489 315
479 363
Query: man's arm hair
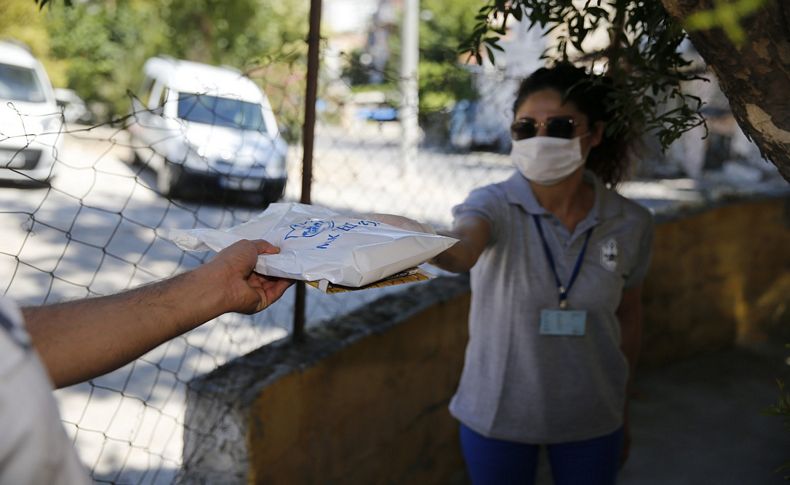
86 338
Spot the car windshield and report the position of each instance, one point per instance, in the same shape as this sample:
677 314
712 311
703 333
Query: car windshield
218 111
20 84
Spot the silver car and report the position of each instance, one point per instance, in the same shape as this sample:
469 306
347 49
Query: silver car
31 125
203 128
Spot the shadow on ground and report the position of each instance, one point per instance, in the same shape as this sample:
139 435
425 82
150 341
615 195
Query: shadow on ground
702 421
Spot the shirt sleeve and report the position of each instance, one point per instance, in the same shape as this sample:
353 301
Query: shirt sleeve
643 254
34 447
483 203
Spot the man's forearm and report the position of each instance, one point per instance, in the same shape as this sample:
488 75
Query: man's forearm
84 339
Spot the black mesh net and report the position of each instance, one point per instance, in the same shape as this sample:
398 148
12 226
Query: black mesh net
85 210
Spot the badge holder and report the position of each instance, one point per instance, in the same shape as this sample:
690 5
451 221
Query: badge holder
563 321
571 323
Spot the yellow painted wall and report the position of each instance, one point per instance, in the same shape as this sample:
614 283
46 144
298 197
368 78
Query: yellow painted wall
376 411
717 277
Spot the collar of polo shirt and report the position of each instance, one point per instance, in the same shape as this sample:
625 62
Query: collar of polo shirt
519 192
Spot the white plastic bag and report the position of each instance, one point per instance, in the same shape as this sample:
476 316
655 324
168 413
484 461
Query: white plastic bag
318 244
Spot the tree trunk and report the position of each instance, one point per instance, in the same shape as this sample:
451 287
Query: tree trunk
755 77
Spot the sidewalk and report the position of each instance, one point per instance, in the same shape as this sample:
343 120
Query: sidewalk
701 421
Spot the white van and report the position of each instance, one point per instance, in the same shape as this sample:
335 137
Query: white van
31 124
203 128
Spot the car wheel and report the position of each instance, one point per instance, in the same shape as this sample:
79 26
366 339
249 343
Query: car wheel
135 160
272 193
258 200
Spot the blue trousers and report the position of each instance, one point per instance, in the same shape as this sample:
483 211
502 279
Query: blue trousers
497 462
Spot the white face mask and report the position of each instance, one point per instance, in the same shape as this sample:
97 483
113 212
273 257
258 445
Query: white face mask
547 160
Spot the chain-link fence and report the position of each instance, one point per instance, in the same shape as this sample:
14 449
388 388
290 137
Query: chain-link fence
84 210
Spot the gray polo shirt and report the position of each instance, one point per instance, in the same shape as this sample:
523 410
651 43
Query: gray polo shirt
518 385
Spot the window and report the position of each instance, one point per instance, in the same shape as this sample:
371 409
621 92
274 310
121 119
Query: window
218 111
20 84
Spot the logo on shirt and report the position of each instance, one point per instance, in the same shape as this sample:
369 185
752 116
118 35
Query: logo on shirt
609 254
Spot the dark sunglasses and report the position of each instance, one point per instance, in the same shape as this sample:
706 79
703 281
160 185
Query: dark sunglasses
559 127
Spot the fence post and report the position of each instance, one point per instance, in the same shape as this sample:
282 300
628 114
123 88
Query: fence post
410 58
308 139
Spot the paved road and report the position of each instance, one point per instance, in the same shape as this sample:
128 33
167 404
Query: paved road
97 230
361 168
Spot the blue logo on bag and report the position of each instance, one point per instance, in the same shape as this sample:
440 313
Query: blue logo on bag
309 228
315 227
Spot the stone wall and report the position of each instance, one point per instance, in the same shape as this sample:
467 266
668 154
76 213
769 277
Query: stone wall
364 398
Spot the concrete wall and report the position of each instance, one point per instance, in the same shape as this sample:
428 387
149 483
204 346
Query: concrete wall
374 413
364 398
718 277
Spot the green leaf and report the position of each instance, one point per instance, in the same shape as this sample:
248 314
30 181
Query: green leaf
517 13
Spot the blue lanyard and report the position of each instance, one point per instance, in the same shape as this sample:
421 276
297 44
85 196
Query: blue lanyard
563 290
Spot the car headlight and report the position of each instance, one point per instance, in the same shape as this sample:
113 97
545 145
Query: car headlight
191 159
50 124
196 162
276 166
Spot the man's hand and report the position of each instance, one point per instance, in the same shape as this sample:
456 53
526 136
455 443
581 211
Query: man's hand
232 272
81 339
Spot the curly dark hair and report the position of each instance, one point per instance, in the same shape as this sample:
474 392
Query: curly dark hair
591 94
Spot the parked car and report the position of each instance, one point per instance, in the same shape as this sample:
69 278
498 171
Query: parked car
31 136
373 106
474 127
204 128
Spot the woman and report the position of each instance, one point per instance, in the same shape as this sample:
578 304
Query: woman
556 262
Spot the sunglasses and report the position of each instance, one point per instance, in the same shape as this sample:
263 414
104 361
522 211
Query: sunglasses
559 127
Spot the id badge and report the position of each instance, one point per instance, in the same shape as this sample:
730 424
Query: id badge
563 322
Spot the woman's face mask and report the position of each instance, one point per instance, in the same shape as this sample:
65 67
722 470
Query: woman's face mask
547 160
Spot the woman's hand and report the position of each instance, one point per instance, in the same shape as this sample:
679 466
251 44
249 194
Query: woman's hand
232 272
473 234
401 222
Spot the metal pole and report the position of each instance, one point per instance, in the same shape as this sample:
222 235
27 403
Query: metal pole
410 56
308 139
